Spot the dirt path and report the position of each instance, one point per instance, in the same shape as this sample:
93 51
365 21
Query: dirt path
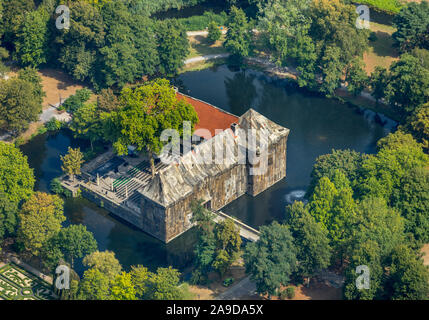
206 58
57 85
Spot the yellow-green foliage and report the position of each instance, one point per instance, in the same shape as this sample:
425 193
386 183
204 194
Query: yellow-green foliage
391 6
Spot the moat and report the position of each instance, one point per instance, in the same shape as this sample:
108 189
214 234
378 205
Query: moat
317 125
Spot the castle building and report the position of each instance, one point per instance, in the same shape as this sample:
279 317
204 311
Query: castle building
235 156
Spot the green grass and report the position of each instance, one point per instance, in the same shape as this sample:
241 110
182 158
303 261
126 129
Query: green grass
197 23
389 6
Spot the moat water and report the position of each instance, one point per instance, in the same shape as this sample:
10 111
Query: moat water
317 125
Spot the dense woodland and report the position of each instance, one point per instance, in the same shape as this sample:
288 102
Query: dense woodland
362 209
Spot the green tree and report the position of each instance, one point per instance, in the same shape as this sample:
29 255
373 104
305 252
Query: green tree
4 54
378 82
412 201
202 217
76 101
86 123
39 220
105 262
382 173
357 79
343 210
75 242
408 277
367 254
122 288
31 75
164 284
72 162
347 161
418 125
76 48
376 221
173 46
412 24
408 84
204 255
140 279
228 243
95 285
16 177
331 69
272 259
422 55
214 32
310 240
16 185
8 216
32 39
321 201
239 35
284 26
148 111
130 48
13 13
18 105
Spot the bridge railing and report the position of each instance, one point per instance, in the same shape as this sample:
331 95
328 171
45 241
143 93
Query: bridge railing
241 224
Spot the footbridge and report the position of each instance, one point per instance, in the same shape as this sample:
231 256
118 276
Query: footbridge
246 231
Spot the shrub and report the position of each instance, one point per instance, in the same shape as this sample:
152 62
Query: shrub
214 32
290 292
19 141
228 281
373 37
74 102
42 130
56 186
53 125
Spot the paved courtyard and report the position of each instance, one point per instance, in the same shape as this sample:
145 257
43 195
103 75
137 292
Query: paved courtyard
18 284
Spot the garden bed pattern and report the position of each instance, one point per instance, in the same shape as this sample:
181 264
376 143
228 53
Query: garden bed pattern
18 284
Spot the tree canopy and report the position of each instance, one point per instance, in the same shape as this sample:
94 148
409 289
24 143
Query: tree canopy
39 220
18 105
272 259
412 24
147 111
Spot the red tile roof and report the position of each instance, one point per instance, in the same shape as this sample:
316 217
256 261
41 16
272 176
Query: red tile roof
210 117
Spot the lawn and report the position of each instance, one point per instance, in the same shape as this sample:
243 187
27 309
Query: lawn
18 284
200 46
381 51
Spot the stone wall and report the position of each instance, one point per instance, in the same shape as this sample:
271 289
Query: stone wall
153 219
219 190
128 215
275 171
